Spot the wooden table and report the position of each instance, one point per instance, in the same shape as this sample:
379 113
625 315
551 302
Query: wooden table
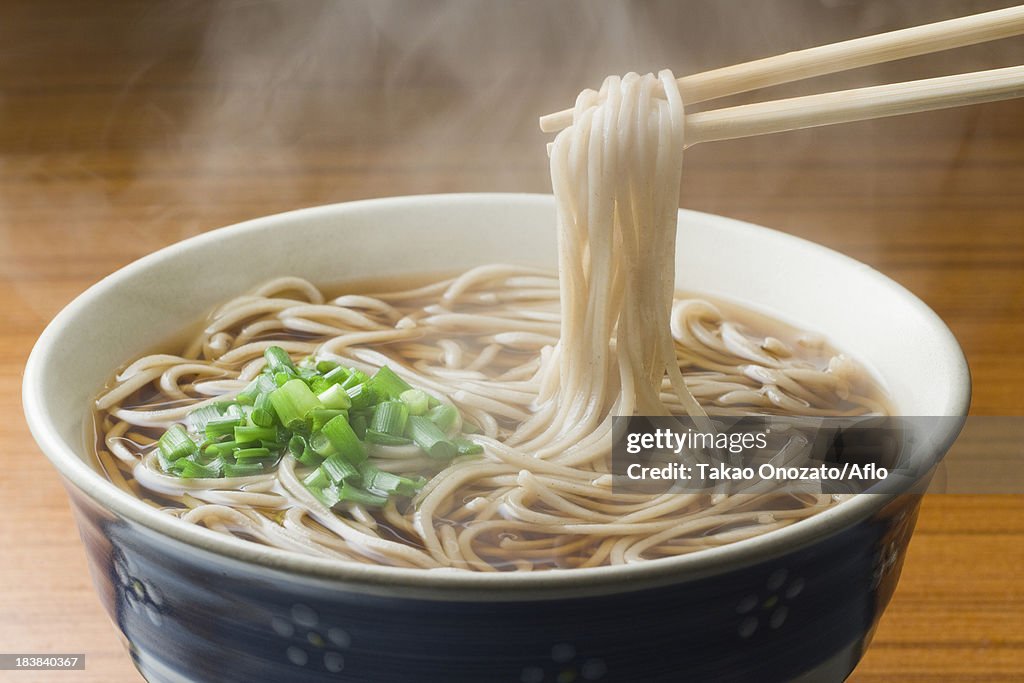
127 126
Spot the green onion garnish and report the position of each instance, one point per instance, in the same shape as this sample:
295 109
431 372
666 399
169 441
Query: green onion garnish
221 426
390 417
263 414
320 417
362 396
444 416
354 494
338 469
228 447
467 447
355 377
388 384
384 439
252 454
176 444
198 418
430 438
328 495
263 384
324 367
278 360
321 445
337 375
335 398
359 424
247 469
339 432
416 400
188 469
381 482
293 401
323 415
317 479
250 433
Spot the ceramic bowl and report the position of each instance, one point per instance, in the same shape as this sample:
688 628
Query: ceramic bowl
797 604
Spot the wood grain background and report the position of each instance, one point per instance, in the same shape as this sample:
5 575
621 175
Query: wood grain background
126 126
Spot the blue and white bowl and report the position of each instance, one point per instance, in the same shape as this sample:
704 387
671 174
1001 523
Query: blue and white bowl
797 604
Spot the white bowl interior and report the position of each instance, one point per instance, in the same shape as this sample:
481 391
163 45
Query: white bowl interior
143 305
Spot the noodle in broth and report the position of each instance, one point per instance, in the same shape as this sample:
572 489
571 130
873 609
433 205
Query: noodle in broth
538 363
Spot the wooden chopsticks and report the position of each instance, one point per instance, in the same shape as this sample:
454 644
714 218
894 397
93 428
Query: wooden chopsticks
859 104
848 105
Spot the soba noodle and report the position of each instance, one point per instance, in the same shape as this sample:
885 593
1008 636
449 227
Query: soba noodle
540 364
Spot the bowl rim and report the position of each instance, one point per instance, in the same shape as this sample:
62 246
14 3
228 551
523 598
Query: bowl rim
453 584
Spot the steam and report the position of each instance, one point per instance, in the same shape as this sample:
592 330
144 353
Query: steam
205 113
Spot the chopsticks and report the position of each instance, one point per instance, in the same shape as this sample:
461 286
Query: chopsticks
860 104
848 105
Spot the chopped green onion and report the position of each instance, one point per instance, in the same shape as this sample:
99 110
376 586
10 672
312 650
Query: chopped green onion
390 418
261 385
362 396
198 418
236 411
309 458
176 443
317 385
278 360
354 494
228 447
379 481
247 469
204 458
248 433
469 428
321 445
467 447
263 414
297 445
334 397
444 416
317 479
188 469
430 438
417 401
337 375
410 487
329 495
359 424
318 418
387 383
344 439
252 453
384 439
354 378
293 401
221 426
338 469
324 367
323 415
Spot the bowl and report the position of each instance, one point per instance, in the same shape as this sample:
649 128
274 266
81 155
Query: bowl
797 604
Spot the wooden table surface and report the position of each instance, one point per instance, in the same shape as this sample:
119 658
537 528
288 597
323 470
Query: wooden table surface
127 126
